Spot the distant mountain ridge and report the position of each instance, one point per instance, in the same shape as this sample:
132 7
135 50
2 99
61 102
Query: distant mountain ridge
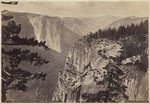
84 25
127 21
61 32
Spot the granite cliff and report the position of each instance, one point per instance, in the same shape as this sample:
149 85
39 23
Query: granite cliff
84 72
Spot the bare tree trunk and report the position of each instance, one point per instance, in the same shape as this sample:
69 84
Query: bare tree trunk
3 91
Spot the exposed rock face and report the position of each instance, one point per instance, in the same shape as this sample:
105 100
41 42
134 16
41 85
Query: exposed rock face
45 28
137 83
52 30
85 67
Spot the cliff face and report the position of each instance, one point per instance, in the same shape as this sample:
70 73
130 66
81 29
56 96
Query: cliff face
85 68
45 28
137 83
52 30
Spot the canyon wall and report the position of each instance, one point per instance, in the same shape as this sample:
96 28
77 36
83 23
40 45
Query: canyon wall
85 67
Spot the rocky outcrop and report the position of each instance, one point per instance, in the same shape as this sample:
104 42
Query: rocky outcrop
85 69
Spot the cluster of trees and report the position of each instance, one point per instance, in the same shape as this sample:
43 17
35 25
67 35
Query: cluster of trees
115 34
5 18
136 43
134 39
11 37
13 76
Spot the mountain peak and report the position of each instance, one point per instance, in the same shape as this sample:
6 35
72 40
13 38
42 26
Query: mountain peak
132 17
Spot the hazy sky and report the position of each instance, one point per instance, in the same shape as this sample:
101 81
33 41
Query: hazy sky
82 9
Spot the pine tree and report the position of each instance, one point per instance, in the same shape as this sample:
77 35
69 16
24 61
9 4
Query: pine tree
13 76
99 33
115 90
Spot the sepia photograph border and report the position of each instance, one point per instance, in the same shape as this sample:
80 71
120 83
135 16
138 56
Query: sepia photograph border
79 1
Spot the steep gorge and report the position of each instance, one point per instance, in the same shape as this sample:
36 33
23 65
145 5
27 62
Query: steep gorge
84 66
